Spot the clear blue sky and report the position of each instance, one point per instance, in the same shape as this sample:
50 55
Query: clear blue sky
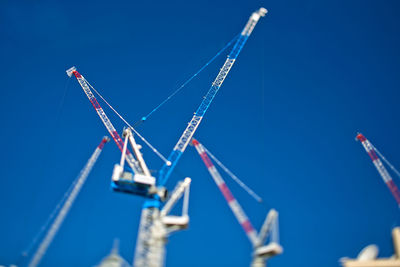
312 74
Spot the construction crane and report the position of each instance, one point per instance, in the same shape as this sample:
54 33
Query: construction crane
42 248
372 152
140 182
150 213
149 251
261 252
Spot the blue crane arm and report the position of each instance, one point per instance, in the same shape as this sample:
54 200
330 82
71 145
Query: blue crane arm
187 135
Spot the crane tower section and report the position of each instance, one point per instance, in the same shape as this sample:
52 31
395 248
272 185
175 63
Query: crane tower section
369 148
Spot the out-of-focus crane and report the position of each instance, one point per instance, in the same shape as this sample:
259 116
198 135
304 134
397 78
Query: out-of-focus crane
371 150
261 252
41 250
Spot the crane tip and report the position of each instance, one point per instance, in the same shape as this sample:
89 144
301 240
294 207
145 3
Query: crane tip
70 71
262 11
195 142
360 137
168 163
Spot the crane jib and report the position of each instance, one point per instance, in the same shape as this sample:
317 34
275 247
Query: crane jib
188 133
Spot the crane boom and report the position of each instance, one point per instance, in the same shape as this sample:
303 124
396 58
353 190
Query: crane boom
230 199
261 252
369 148
188 133
67 205
106 121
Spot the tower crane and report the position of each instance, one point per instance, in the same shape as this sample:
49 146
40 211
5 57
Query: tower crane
141 182
261 252
149 248
372 152
150 212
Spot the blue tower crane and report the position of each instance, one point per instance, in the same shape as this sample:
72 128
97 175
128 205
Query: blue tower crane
155 223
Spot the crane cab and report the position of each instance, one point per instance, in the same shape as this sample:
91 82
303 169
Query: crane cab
270 250
137 184
181 222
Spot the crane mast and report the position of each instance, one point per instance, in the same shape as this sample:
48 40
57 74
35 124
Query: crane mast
261 252
369 148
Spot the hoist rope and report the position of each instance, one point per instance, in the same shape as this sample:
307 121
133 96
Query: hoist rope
186 82
133 129
162 103
234 177
386 161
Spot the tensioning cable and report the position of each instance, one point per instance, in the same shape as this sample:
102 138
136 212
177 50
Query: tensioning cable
386 161
234 177
133 129
144 118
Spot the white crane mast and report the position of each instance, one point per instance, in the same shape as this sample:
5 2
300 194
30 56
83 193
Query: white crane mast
162 225
40 252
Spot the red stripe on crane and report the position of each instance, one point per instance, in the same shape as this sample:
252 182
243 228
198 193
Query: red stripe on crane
77 74
247 226
103 142
395 190
206 160
372 155
361 137
226 192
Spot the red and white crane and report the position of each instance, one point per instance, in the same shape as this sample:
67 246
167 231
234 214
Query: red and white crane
261 252
373 154
141 182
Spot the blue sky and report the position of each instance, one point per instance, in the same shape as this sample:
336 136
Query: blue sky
312 74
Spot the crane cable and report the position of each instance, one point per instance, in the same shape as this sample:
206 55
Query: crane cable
187 81
234 177
133 129
386 161
161 104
